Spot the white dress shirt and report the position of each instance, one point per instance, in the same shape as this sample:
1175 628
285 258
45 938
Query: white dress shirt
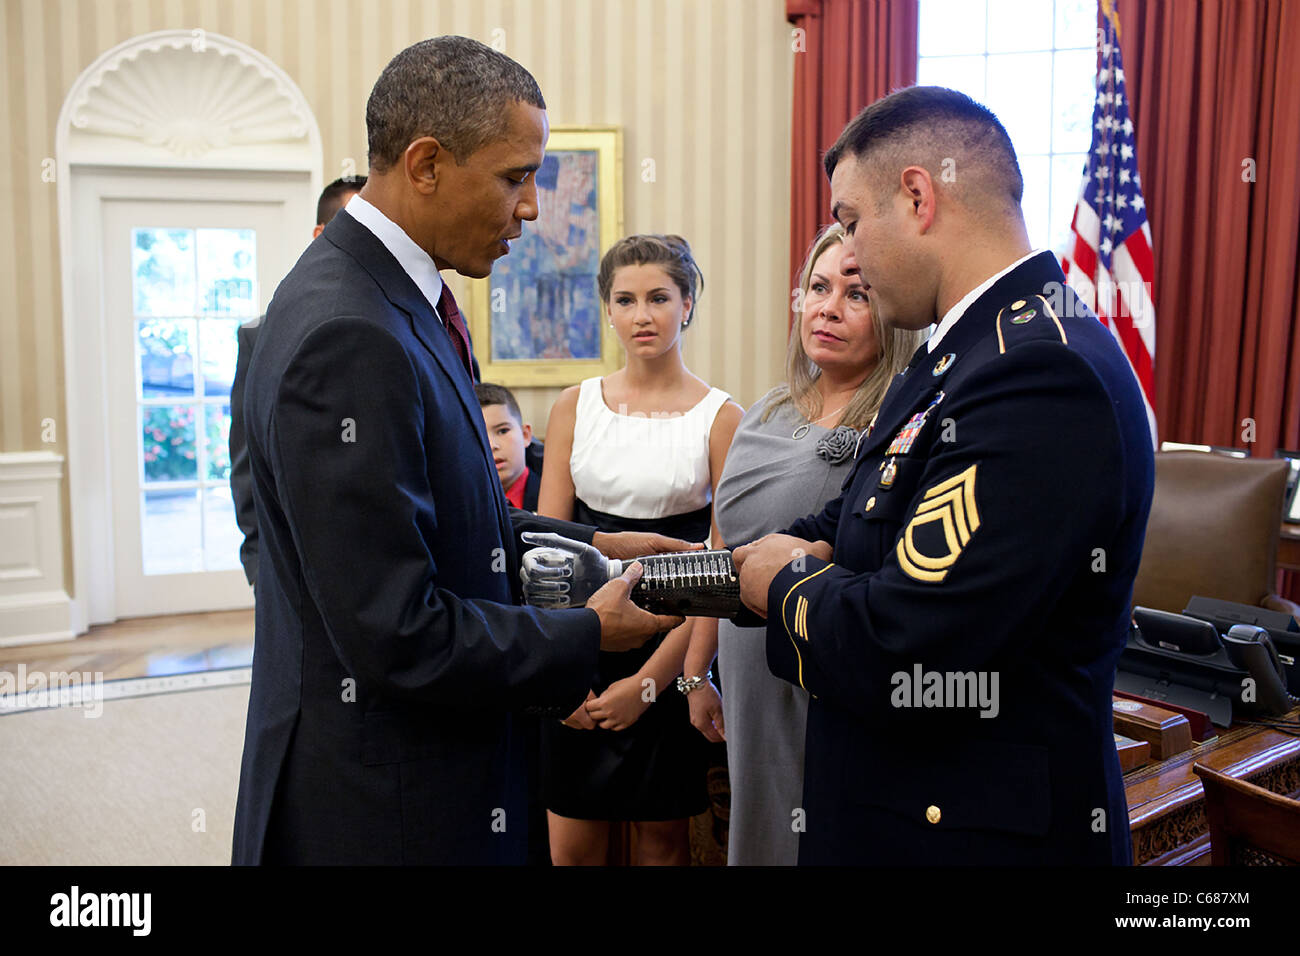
966 301
417 263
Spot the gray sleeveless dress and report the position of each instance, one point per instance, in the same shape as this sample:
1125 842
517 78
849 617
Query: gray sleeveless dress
769 481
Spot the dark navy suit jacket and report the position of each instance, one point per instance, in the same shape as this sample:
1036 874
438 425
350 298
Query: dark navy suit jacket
998 535
390 653
241 482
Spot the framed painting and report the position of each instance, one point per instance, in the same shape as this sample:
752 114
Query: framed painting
538 319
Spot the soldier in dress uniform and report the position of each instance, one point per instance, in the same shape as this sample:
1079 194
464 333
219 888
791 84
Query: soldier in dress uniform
957 613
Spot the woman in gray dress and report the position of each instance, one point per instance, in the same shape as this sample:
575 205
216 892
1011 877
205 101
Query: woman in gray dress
791 453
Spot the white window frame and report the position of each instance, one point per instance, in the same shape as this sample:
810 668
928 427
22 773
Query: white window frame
1051 153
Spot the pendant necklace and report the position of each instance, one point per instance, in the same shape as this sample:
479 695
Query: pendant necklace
807 426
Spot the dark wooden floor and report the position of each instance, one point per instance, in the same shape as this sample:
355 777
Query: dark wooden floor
146 647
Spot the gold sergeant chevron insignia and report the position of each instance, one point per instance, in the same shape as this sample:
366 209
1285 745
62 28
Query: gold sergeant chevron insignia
952 504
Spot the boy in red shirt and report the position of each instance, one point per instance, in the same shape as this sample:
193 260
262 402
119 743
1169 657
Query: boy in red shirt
517 457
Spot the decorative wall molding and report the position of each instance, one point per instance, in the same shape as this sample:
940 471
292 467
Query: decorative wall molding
34 602
175 97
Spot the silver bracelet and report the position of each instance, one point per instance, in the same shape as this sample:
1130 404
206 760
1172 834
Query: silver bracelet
687 684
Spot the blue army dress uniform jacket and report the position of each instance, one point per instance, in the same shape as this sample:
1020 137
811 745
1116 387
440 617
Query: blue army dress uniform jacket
960 649
389 661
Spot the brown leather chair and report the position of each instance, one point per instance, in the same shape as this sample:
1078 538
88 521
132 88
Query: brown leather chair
1213 531
1249 826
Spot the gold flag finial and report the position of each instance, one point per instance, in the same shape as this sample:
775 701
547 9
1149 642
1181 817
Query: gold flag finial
1110 10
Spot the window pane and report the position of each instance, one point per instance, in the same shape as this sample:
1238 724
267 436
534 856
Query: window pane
1016 25
950 26
220 352
217 429
1074 82
1076 23
166 355
1021 95
162 268
167 440
170 531
221 534
1067 178
227 271
1035 202
1033 63
965 73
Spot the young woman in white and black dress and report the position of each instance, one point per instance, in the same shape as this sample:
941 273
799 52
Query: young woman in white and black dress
639 450
791 453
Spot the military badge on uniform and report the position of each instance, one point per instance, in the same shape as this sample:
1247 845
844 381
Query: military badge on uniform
941 366
889 473
1023 312
903 441
950 504
1022 317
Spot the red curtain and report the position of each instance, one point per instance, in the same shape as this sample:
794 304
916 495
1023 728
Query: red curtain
849 53
1217 107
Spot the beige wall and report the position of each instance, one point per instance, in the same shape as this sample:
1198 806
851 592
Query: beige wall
700 86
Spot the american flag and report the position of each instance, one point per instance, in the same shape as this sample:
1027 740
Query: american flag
1108 261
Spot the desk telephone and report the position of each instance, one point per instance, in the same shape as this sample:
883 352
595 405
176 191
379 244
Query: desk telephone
1187 661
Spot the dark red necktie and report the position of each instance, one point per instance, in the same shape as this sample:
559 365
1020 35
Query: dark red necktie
455 327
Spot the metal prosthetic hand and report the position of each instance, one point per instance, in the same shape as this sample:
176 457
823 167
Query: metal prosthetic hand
561 572
566 573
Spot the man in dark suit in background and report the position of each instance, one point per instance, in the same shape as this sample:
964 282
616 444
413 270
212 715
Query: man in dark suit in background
390 650
332 198
957 613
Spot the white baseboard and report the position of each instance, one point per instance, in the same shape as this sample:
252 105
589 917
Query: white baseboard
34 603
35 618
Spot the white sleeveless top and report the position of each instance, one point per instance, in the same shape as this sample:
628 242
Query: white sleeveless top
638 465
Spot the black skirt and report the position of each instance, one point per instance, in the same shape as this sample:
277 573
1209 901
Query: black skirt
653 770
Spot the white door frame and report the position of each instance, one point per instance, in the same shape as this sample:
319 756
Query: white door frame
240 200
112 142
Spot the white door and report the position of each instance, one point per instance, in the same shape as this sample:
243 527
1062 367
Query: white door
178 279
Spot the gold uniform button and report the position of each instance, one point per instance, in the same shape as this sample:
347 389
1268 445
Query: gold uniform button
932 814
1018 304
871 503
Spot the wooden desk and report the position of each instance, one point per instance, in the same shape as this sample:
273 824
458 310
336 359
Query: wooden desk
1288 547
1166 802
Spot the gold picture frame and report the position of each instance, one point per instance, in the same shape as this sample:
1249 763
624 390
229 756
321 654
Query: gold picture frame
518 338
